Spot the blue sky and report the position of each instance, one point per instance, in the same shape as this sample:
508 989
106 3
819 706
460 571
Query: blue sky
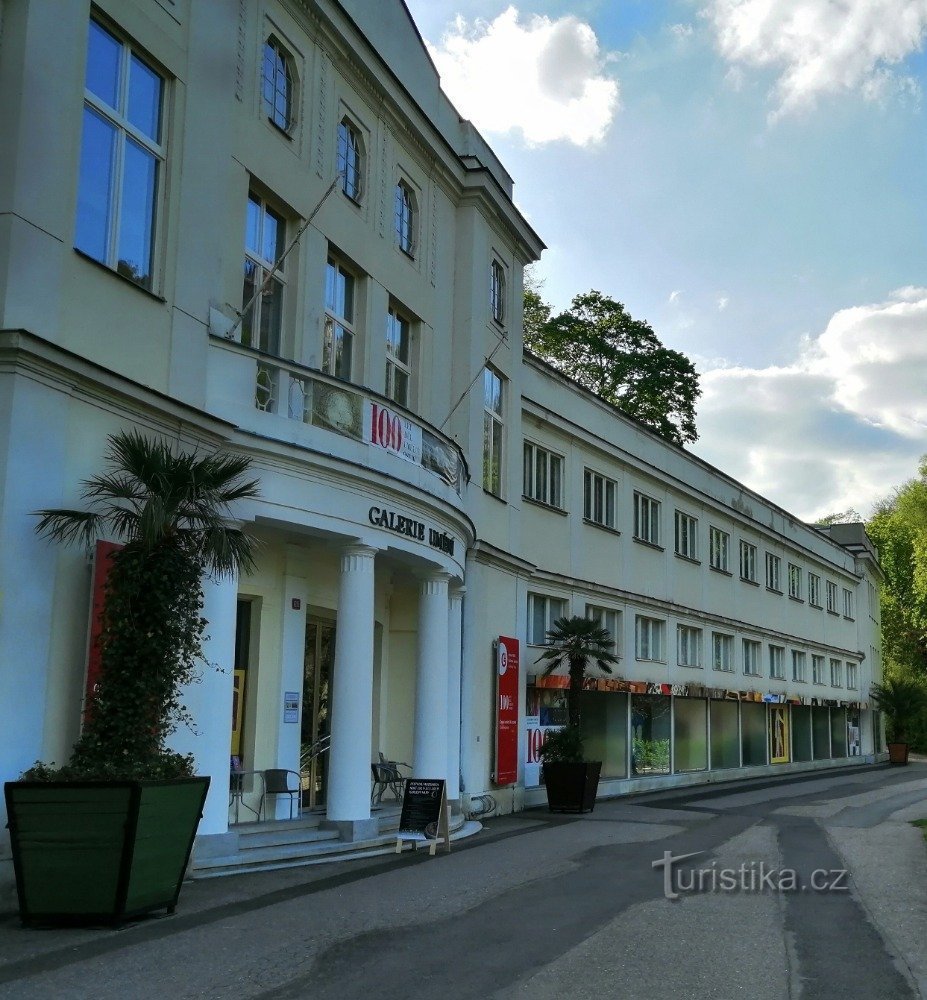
750 176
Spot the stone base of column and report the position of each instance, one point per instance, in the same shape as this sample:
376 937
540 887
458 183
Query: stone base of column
352 830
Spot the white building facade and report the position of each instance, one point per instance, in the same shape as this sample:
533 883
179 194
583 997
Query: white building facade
425 488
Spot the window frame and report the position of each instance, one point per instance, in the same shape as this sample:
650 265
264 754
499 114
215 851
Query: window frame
647 514
773 573
269 107
493 422
852 676
719 549
756 652
549 617
794 572
748 550
352 181
654 642
594 482
336 327
799 666
405 218
497 291
836 672
599 613
831 595
688 646
530 479
814 590
116 119
395 365
848 604
685 535
817 669
776 662
251 331
722 652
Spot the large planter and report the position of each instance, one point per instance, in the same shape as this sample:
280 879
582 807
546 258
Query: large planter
101 851
571 787
898 753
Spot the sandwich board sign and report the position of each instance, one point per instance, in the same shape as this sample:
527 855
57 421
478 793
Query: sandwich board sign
424 816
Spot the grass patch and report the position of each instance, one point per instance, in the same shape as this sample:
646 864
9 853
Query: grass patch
922 823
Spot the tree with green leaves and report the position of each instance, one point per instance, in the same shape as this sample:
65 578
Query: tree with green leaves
172 508
601 346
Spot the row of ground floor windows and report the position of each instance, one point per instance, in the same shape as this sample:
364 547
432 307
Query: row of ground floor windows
651 734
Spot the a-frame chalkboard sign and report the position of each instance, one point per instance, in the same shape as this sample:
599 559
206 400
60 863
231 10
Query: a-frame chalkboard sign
424 817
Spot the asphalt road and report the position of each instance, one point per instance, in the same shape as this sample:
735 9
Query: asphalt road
548 907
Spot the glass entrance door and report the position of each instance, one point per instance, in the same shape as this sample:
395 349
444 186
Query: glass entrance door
316 720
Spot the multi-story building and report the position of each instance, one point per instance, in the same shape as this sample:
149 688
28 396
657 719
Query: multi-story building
263 227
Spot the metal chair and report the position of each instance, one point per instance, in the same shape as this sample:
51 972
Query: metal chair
387 777
277 781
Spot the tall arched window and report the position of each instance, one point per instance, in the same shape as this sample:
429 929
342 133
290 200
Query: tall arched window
405 218
350 160
278 85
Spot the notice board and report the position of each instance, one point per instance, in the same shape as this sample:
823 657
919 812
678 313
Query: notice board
424 817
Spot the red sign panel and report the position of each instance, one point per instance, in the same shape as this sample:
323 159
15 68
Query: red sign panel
101 565
506 711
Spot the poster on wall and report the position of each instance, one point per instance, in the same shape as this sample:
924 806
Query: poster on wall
535 735
506 711
778 734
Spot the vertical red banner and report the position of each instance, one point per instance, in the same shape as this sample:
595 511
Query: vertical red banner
101 564
506 711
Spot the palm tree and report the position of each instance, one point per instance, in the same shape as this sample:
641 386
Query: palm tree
172 509
577 641
903 700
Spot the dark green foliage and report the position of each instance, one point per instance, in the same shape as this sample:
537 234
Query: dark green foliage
563 745
903 700
603 348
577 641
171 508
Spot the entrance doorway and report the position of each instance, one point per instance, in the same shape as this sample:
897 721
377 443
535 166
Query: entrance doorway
318 663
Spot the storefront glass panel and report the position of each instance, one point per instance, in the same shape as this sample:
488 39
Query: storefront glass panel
651 734
690 733
725 736
838 732
605 731
753 733
820 727
801 732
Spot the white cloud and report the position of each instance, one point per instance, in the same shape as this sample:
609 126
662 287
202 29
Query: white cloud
821 47
838 428
682 31
675 295
723 301
542 76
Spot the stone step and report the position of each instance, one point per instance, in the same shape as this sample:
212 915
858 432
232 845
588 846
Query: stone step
273 837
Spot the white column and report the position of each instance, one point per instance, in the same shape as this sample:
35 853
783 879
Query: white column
429 744
352 690
209 702
454 659
292 665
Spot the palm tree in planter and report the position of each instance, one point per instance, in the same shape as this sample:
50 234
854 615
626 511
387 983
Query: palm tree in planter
570 780
123 811
903 700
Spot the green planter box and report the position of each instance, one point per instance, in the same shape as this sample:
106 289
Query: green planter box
101 851
572 787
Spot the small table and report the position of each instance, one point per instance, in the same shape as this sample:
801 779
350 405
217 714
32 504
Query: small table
237 791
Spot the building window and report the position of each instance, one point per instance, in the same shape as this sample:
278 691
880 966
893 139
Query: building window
543 475
338 344
265 232
492 432
646 519
722 651
852 676
836 673
777 662
599 499
497 291
350 160
752 657
688 646
832 597
773 566
686 536
406 218
542 613
398 356
719 543
748 562
278 85
847 603
814 590
799 667
817 669
121 159
648 638
795 581
609 619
